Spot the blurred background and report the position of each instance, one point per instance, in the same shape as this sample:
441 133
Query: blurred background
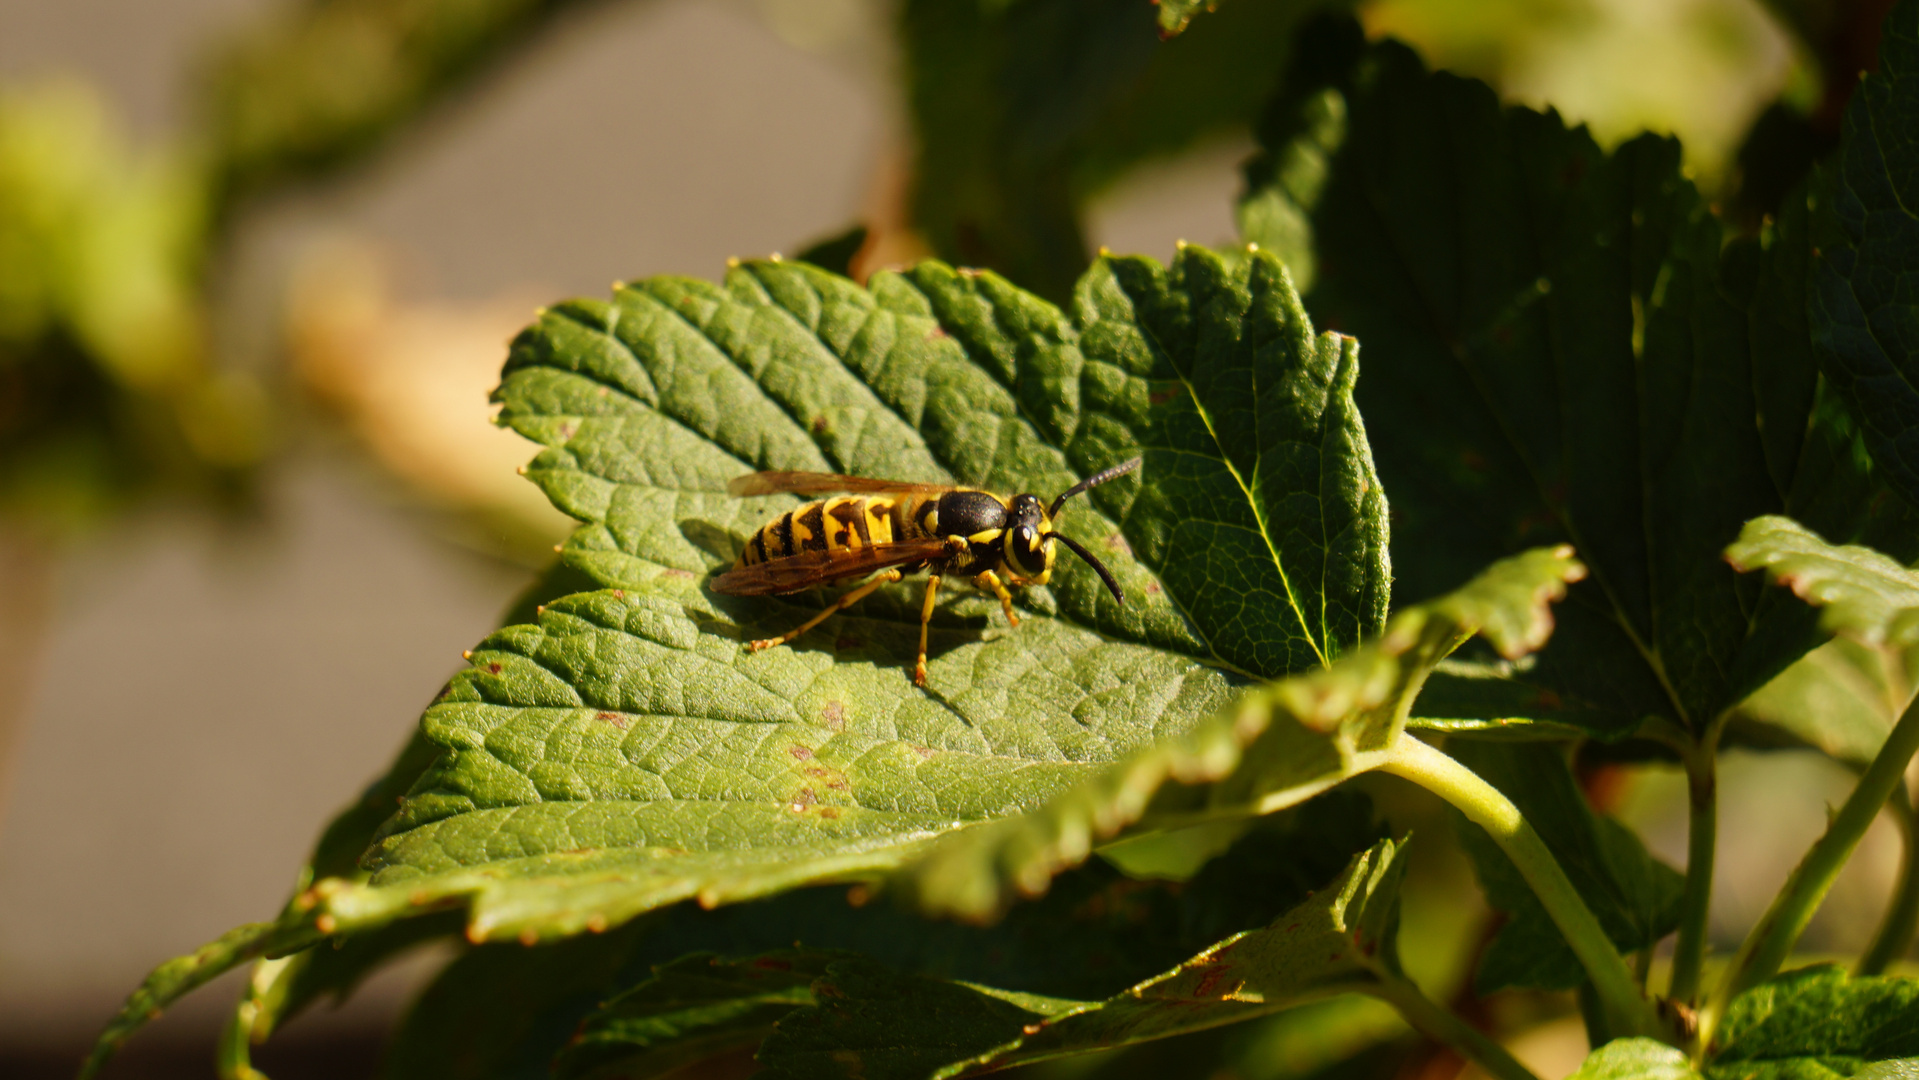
258 263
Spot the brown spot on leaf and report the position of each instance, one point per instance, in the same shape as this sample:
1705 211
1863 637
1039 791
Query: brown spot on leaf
1116 542
619 594
834 714
615 719
326 924
529 937
819 424
829 811
924 752
493 669
596 923
801 752
1152 588
676 572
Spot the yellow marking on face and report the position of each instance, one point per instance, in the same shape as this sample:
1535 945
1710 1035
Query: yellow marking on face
986 536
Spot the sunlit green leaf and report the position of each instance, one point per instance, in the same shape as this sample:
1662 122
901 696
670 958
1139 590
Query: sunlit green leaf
625 752
1814 1023
1860 593
1636 1059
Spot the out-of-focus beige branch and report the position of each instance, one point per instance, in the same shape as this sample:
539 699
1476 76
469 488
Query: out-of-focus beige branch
411 381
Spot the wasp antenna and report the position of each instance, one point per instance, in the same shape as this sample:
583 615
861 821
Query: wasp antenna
1104 574
1094 480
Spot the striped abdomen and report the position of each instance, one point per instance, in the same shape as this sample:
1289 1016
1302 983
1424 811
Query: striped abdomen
842 523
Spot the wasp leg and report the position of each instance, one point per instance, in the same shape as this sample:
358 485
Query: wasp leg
991 583
926 616
845 602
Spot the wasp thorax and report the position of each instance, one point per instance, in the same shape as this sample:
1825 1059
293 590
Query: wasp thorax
969 513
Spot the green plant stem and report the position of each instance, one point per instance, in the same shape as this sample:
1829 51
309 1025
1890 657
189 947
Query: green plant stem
1767 946
1430 1019
1896 930
1702 837
1629 1012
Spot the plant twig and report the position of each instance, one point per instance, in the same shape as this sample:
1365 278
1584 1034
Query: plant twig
1767 946
1702 836
1442 1025
1897 928
1629 1012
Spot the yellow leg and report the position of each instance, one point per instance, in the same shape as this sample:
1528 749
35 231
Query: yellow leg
990 582
845 602
926 616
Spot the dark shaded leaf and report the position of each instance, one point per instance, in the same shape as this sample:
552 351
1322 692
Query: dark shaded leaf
692 1009
877 1023
1865 286
1635 897
1558 348
1024 110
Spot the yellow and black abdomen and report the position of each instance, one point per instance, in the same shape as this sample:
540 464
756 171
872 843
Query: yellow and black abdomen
843 523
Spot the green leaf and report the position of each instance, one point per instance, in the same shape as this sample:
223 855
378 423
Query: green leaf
505 1011
1865 287
1813 1023
1560 347
1860 593
1023 111
692 1009
1636 1059
625 753
1635 897
878 1023
1275 747
1839 699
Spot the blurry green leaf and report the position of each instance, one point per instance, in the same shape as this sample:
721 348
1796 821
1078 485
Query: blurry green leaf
1636 1059
1025 110
1275 747
692 1009
1813 1023
877 1023
1865 311
105 385
1636 897
1839 699
319 84
626 753
1559 349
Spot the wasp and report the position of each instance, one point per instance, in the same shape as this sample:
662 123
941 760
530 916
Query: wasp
888 529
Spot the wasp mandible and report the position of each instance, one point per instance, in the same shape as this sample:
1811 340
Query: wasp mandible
892 529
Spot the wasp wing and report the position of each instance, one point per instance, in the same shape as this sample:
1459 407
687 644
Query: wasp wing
791 573
814 483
